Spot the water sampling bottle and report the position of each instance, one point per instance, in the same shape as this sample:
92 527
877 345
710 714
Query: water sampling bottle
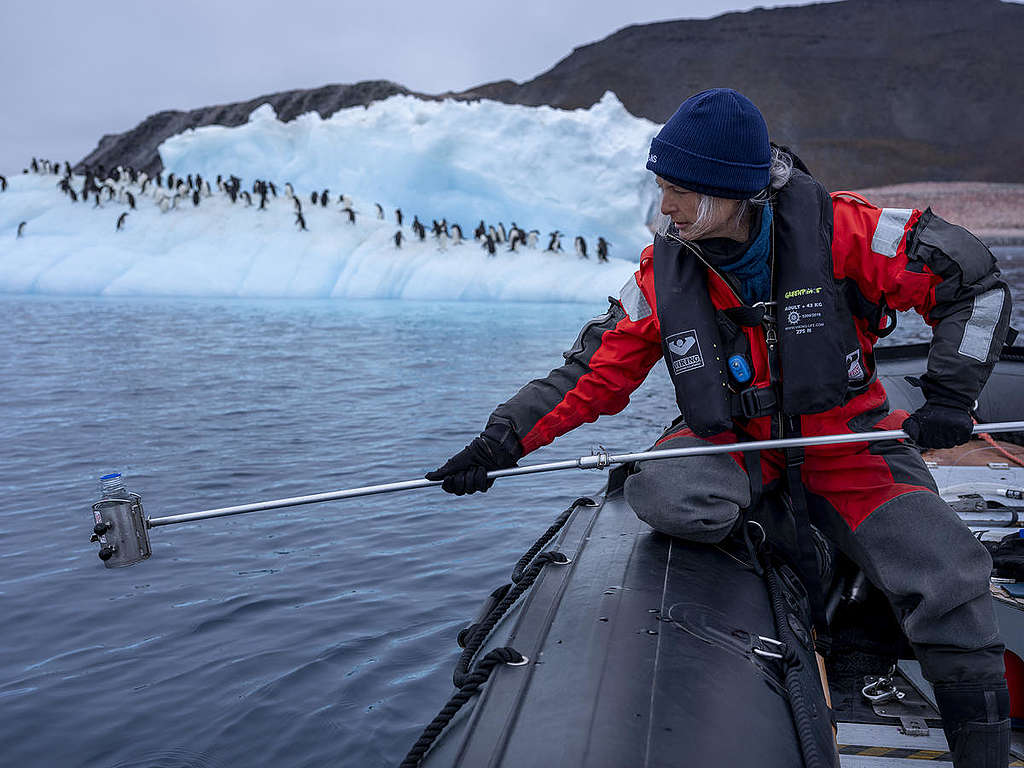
120 526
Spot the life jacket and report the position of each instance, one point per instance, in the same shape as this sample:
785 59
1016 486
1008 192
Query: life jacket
814 354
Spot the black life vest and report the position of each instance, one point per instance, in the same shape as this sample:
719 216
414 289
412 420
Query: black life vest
818 348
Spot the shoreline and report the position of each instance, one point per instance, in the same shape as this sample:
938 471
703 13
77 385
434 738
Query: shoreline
993 212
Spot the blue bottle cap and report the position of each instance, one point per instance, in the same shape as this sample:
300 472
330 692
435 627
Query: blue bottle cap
110 476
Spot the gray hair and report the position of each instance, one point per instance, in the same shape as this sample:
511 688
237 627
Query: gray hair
779 172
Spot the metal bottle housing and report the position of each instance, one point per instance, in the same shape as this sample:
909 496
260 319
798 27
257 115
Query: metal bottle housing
125 540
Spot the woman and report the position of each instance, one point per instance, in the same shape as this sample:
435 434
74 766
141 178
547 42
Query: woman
765 296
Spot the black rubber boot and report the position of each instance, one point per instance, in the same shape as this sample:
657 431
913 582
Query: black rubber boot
976 719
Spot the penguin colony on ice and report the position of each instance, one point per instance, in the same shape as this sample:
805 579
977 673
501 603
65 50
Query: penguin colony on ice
128 187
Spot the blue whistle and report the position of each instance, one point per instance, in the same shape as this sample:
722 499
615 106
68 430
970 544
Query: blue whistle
740 369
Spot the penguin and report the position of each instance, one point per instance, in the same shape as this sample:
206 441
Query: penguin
442 242
398 215
489 245
288 191
21 228
380 211
298 204
159 179
602 249
324 199
98 203
3 183
457 234
67 168
34 165
581 247
195 198
492 233
555 244
301 222
514 240
314 198
71 193
207 192
247 197
263 197
351 215
170 181
120 221
435 228
421 231
131 200
480 231
164 204
531 238
501 231
145 183
273 189
398 239
416 222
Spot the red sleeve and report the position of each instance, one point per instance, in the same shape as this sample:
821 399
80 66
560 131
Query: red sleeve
610 359
872 251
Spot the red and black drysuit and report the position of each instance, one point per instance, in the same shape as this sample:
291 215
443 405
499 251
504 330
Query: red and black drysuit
842 267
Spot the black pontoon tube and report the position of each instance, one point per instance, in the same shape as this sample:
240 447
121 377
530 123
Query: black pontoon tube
595 461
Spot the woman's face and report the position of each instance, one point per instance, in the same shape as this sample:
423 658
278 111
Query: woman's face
680 205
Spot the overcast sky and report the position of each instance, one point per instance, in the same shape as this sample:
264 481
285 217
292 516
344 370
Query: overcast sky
73 70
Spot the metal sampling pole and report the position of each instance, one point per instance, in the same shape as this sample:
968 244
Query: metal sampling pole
595 461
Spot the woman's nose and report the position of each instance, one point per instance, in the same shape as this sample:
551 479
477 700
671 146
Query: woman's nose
666 208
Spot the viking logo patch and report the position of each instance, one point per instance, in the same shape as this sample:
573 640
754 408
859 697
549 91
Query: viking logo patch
685 351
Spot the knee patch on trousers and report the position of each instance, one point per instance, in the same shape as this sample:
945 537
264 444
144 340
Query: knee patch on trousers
697 498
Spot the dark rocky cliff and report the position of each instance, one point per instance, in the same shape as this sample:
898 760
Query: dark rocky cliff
868 92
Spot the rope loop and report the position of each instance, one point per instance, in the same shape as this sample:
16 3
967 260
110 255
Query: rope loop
470 686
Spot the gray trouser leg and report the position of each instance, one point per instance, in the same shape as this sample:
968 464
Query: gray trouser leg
936 577
697 498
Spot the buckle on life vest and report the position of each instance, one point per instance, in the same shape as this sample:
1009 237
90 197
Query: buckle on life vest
758 401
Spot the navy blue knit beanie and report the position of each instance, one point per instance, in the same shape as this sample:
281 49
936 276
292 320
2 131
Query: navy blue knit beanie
716 143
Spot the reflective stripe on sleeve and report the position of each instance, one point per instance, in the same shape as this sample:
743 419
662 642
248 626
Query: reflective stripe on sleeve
978 333
889 231
634 301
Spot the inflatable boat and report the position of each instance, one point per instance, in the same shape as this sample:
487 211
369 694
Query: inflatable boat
615 645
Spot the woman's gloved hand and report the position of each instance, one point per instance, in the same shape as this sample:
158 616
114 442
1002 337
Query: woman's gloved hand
939 426
497 447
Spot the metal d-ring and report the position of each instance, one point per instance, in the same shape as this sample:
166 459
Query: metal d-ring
521 663
764 536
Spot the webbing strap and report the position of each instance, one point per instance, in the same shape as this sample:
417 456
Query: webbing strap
809 568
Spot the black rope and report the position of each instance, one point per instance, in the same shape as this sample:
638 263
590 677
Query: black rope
468 683
480 632
524 574
802 716
470 686
556 526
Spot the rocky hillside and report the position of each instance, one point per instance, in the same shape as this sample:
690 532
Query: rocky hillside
867 92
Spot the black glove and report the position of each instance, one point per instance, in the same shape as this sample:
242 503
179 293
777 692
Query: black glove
497 447
939 426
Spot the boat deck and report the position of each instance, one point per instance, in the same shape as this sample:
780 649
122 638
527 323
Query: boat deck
969 476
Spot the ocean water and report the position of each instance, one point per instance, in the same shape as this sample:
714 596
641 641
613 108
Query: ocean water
320 635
